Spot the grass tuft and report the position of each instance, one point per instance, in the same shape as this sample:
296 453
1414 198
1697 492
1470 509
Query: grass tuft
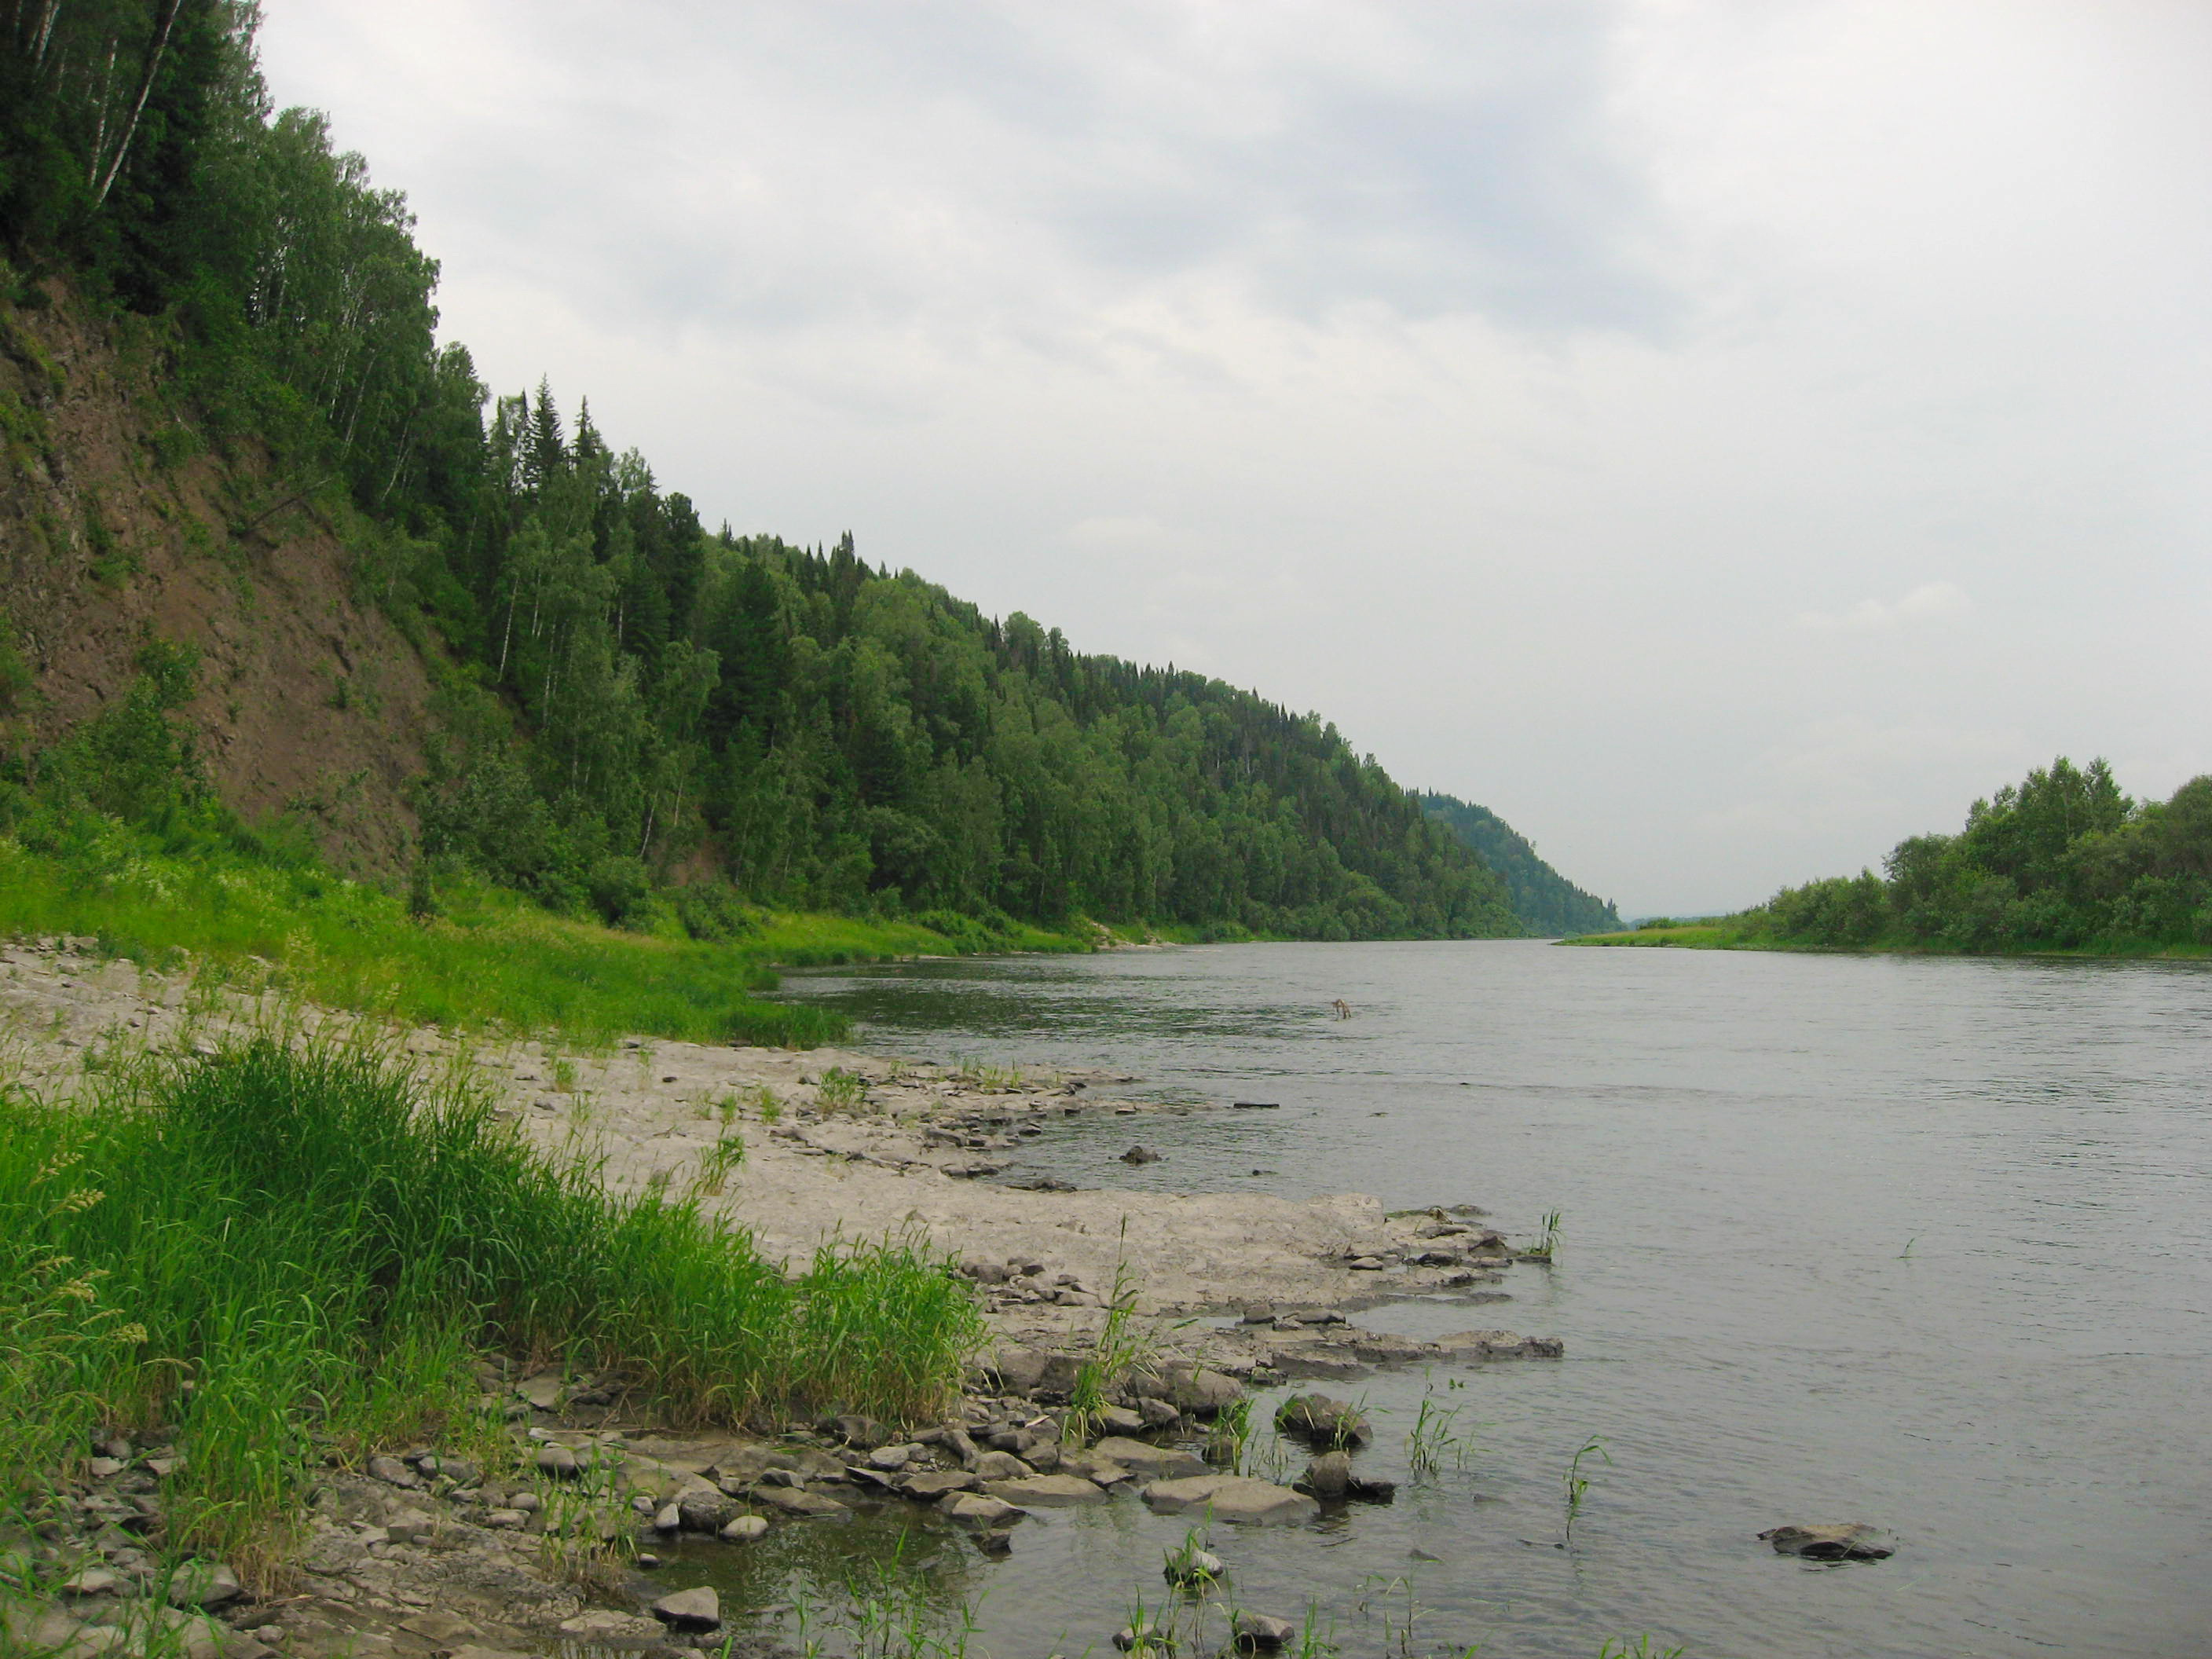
284 1252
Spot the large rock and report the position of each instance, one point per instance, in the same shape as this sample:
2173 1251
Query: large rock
977 1509
1047 1491
1000 1466
1142 1457
707 1512
393 1473
1329 1475
1202 1393
1849 1540
692 1609
1258 1632
1233 1497
930 1487
1332 1424
796 1500
745 1530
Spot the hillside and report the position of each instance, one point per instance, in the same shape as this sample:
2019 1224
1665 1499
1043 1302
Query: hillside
1546 903
459 635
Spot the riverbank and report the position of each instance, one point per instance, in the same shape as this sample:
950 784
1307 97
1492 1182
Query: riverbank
519 1541
1723 936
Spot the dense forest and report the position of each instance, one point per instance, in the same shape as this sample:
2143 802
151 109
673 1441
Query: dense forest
2061 861
637 713
1548 905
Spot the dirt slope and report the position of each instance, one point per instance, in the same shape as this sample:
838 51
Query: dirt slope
116 523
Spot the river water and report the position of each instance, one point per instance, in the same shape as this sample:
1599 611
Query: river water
1926 1243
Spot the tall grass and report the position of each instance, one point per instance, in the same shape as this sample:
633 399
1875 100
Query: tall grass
313 1243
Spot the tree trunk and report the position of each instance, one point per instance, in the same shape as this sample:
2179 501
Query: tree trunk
164 20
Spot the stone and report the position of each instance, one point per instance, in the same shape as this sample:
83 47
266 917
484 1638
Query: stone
978 1509
691 1610
1232 1498
1195 1566
1259 1314
890 1458
393 1473
1326 1422
101 1468
1000 1466
1120 1420
1202 1393
1142 1457
506 1520
559 1461
745 1530
1141 1155
407 1527
1258 1632
796 1500
707 1512
1047 1491
543 1389
1159 1414
91 1581
931 1487
604 1624
1329 1475
1849 1540
862 1433
442 1628
668 1518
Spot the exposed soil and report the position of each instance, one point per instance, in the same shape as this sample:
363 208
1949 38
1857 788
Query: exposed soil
114 529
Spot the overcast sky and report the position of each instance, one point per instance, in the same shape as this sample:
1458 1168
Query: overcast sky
1721 438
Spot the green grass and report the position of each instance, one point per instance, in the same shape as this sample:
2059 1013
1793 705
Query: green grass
289 1252
1689 935
244 909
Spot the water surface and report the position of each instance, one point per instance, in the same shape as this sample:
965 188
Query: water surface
1921 1242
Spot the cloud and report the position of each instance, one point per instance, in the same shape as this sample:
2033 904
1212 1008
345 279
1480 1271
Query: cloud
1930 602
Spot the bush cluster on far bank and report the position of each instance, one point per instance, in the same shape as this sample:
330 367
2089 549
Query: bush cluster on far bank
2063 861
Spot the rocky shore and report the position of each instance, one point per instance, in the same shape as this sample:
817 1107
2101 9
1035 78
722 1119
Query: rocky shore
528 1547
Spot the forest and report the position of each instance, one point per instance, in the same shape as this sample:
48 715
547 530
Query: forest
641 717
1547 903
2063 860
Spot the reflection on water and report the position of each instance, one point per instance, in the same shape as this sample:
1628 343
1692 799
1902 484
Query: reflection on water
1923 1243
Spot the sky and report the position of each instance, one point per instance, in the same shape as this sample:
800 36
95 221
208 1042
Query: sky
1722 437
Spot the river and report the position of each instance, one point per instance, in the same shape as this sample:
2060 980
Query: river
1921 1242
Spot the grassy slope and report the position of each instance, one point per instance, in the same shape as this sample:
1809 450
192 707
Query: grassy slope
490 960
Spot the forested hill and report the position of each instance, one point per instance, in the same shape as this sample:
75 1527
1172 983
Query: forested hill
1546 903
220 357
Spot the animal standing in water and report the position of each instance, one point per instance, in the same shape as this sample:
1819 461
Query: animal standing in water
1343 1008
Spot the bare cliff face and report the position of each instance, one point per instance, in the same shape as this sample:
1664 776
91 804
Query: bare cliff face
119 523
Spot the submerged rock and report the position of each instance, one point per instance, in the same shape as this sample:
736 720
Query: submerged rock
1047 1491
1232 1498
1335 1424
1849 1540
1256 1632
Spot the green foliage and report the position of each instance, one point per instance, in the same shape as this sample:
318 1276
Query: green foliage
318 1239
637 695
1546 903
2063 861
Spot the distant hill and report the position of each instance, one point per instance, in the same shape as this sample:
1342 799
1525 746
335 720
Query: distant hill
1547 903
